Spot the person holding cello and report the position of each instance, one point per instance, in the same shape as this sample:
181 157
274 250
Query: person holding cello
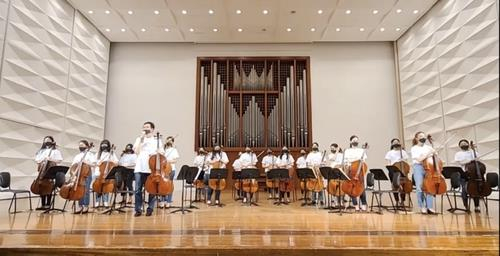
237 168
200 161
127 160
352 154
419 153
270 161
103 155
90 160
335 158
315 159
172 155
216 159
394 155
463 157
248 160
285 160
47 153
144 146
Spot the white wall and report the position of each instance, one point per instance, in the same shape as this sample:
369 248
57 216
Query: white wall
53 82
353 90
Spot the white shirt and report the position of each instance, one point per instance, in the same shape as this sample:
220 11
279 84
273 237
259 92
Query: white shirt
201 161
284 162
89 159
464 157
248 160
42 154
301 162
128 160
419 151
354 154
314 159
394 156
268 161
237 165
214 158
171 154
105 156
335 159
147 148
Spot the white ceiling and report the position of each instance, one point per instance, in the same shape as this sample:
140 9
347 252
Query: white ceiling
252 21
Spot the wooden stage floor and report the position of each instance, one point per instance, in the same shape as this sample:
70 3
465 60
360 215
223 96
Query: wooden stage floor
236 229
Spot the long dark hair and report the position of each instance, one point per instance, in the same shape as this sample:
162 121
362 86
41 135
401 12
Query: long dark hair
100 150
392 141
125 150
51 138
335 145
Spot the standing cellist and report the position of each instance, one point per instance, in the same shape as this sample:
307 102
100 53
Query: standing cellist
352 154
172 155
216 159
104 155
47 152
145 146
463 157
269 161
314 160
248 160
420 152
90 160
335 158
394 155
285 160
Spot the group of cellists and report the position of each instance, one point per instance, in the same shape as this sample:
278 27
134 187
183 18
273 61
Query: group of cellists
153 164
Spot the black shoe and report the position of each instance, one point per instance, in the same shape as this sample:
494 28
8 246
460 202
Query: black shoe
78 212
321 203
137 214
149 212
477 210
41 208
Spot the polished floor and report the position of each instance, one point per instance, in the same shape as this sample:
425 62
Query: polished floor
235 229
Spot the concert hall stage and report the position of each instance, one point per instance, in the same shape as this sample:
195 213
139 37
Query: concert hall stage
236 229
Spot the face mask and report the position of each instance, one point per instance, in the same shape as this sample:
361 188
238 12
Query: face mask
248 151
82 149
103 147
147 131
285 151
422 140
333 151
355 144
315 148
47 144
464 147
396 145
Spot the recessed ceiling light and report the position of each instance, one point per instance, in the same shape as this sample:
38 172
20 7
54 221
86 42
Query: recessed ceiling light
313 29
265 11
130 12
166 29
375 11
337 29
320 11
210 11
382 29
191 30
107 12
143 29
123 30
415 11
347 11
398 29
240 30
288 29
238 11
399 10
90 12
361 29
184 12
156 12
215 30
107 30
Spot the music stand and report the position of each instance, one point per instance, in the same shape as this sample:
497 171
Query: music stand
250 173
328 174
196 197
51 174
395 171
339 175
112 176
194 169
273 184
379 175
279 174
304 174
237 176
121 175
186 174
448 172
218 174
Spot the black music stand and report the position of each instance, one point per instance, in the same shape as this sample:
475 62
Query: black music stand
191 180
112 176
396 172
448 172
197 198
237 176
328 174
339 175
278 174
121 173
51 175
272 188
186 174
250 173
304 174
379 175
218 174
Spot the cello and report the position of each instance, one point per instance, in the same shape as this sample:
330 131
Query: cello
75 188
316 184
101 185
286 184
251 185
158 182
404 168
476 186
41 186
355 186
334 185
434 182
217 184
270 183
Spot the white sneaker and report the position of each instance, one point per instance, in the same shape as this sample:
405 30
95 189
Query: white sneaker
363 207
431 211
216 201
244 199
161 204
270 196
209 202
97 204
288 200
167 205
423 210
106 204
356 207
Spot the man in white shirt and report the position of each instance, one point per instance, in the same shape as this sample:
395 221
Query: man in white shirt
463 157
301 161
314 160
248 159
270 161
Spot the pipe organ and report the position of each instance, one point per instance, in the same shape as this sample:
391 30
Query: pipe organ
253 101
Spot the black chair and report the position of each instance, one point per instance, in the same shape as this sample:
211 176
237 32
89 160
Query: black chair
378 175
455 190
5 187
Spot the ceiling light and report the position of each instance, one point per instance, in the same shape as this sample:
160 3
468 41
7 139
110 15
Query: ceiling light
375 11
398 29
130 12
362 29
215 30
347 11
191 30
156 12
184 12
382 29
143 29
107 30
313 29
123 30
240 30
238 11
210 11
399 10
265 11
167 30
288 29
320 11
91 12
337 29
107 12
415 11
